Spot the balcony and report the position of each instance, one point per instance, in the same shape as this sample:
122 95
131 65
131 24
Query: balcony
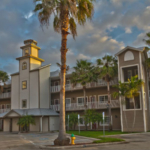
5 95
69 87
4 110
90 105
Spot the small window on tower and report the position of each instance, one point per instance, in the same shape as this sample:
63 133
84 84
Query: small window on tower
24 103
24 66
24 84
26 52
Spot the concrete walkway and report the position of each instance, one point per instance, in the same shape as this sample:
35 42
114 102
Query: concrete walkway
48 138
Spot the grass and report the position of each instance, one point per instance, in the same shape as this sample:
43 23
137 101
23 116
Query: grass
95 134
98 135
107 140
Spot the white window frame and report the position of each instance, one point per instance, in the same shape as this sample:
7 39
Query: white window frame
82 101
69 105
104 100
124 106
122 73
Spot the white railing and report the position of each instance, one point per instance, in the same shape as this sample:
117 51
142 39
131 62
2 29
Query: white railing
90 105
4 110
5 95
79 86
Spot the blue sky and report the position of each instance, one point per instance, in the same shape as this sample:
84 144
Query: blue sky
115 24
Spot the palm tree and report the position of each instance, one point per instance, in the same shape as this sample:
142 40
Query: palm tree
25 121
3 78
122 93
134 85
83 74
108 69
67 13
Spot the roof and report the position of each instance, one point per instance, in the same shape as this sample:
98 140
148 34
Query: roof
56 73
42 67
32 112
140 49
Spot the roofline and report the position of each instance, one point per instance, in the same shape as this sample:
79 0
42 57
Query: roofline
31 45
40 68
17 73
129 47
30 56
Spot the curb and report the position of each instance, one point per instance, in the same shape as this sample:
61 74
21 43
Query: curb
80 146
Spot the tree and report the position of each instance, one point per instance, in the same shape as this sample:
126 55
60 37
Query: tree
73 120
25 121
129 90
3 77
108 69
83 74
122 93
67 13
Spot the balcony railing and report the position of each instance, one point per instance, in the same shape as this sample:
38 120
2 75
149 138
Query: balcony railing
4 110
90 105
5 95
79 86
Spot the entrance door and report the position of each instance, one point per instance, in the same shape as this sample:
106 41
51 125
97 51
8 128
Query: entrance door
11 125
54 123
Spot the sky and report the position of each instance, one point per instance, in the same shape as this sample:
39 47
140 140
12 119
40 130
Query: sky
115 25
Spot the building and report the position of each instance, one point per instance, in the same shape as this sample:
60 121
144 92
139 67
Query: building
30 92
35 88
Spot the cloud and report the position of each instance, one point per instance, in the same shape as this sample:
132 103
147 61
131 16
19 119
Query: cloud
94 39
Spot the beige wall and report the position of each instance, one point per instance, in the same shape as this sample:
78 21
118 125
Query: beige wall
15 127
15 92
35 128
45 124
34 89
6 127
44 75
34 64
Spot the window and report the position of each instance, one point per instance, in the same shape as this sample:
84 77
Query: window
129 73
68 101
24 84
130 102
80 101
26 52
8 106
106 121
24 65
103 99
67 81
24 103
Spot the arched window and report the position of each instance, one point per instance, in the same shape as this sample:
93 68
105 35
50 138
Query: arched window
128 56
24 66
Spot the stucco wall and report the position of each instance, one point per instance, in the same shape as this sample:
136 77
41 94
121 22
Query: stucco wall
24 76
15 127
54 123
45 124
34 89
34 64
6 127
34 52
35 128
15 92
44 75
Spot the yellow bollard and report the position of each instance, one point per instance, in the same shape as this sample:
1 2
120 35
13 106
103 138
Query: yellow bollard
72 139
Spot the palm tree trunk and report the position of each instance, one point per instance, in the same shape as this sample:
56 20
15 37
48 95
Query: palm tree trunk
62 139
134 115
124 112
109 105
85 104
